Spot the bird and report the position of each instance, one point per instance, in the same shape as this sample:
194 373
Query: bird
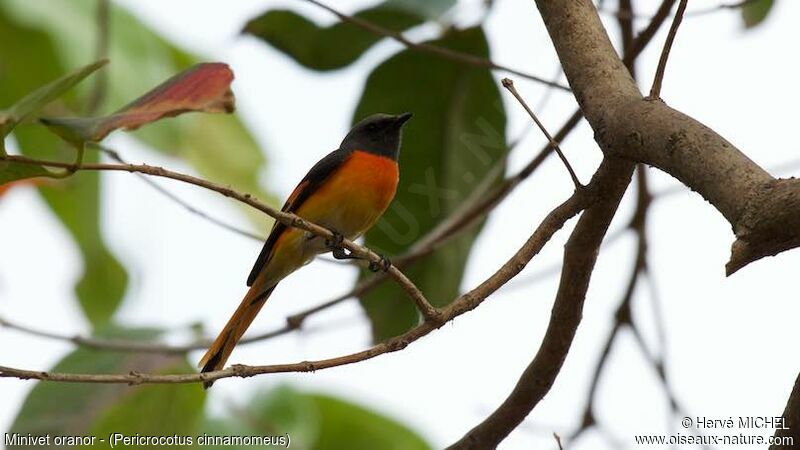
346 192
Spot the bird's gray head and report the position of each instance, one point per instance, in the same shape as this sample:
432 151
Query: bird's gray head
379 134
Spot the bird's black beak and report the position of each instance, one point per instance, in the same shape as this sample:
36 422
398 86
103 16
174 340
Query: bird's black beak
402 118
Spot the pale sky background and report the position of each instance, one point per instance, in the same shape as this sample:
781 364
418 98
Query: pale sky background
730 340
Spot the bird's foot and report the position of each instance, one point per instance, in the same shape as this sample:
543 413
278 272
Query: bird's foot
382 265
334 242
335 246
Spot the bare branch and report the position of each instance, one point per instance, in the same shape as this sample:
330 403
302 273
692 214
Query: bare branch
446 53
558 441
645 36
655 90
622 317
629 15
509 84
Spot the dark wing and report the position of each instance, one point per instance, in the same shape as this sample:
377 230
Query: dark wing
315 178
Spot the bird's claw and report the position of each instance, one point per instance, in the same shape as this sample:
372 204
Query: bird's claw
340 253
382 265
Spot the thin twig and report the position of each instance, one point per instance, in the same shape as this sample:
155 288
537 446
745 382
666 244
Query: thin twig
645 36
509 85
166 193
626 15
655 91
558 441
720 7
626 24
428 311
126 345
447 53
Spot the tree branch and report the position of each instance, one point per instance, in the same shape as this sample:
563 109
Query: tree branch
764 212
655 90
509 85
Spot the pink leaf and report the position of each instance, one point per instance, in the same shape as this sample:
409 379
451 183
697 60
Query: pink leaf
204 87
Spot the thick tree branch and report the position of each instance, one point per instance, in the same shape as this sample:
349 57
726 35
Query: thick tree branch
764 212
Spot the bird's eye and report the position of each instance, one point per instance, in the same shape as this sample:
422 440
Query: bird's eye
372 127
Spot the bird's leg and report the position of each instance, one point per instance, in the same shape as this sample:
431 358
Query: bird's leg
335 241
382 265
335 245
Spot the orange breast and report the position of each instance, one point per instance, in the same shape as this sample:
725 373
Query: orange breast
356 194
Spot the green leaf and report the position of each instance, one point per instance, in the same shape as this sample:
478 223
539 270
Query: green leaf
456 137
11 171
754 12
316 422
156 410
58 409
30 59
36 100
332 47
346 425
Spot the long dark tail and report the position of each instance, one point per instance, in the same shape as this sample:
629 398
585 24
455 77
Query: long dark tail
221 349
